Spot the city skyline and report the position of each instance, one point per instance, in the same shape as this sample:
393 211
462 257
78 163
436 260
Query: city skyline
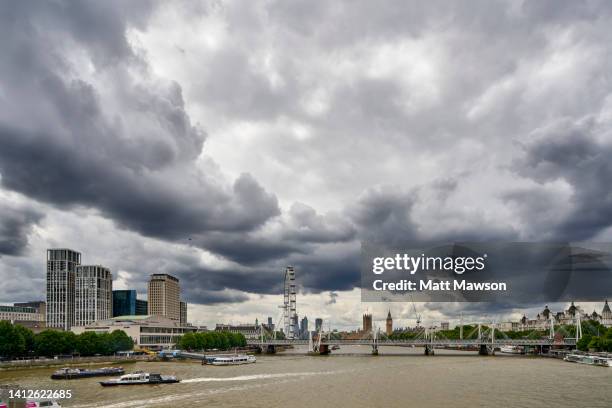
220 143
88 307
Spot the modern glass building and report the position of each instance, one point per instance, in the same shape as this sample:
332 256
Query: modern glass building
126 304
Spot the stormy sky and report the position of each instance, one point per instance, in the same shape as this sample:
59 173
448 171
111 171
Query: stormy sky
220 141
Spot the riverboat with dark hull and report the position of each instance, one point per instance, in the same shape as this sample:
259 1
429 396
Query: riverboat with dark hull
75 373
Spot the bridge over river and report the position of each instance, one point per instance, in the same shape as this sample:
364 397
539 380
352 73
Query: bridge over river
483 345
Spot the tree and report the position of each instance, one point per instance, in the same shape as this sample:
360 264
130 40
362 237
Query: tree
12 343
188 341
583 343
28 337
594 344
88 343
52 342
120 341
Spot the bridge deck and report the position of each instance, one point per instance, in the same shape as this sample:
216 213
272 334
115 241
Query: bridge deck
421 342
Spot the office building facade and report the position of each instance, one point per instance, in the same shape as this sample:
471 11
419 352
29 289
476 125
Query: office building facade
16 314
183 307
126 303
39 306
93 294
61 270
163 296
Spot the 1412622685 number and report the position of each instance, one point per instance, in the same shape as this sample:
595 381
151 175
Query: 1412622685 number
39 394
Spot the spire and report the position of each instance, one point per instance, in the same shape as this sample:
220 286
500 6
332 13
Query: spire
389 315
606 308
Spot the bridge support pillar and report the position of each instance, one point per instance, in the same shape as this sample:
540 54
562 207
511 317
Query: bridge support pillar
429 350
486 350
374 350
271 349
324 349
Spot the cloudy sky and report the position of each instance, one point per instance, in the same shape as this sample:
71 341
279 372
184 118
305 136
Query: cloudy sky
220 141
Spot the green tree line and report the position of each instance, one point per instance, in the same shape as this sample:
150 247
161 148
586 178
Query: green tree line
221 340
18 341
595 336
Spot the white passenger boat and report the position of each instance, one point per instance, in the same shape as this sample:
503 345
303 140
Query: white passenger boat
589 359
139 378
236 359
508 349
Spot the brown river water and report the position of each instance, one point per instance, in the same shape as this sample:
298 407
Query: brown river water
398 377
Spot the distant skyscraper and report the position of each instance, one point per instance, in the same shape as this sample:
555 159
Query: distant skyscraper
367 322
389 324
93 294
183 306
318 324
61 269
164 296
126 303
304 327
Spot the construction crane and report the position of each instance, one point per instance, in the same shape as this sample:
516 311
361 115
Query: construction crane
414 310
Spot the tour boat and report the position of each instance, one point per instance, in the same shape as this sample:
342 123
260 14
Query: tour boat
235 359
139 378
508 349
589 359
72 373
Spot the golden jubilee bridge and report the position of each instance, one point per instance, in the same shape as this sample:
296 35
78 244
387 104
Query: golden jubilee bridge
485 342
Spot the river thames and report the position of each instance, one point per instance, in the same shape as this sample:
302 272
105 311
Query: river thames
398 377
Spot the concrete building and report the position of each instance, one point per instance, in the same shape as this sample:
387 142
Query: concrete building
367 323
39 305
28 317
61 269
444 325
508 326
150 332
17 314
126 303
183 307
389 324
249 331
93 294
163 295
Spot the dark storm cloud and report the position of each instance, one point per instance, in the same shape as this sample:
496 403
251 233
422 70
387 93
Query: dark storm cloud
577 153
211 297
136 164
15 226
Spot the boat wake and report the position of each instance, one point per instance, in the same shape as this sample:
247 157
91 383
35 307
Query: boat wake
201 396
252 377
